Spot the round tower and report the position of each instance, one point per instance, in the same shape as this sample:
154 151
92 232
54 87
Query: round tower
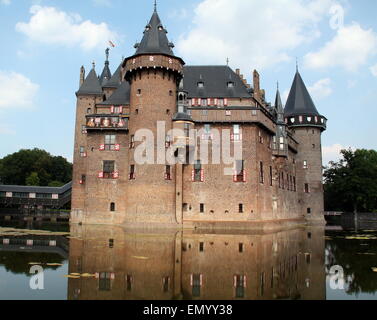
153 73
307 124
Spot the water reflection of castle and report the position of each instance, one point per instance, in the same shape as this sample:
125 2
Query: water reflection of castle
284 265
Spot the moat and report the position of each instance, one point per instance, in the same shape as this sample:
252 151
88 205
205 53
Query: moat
97 262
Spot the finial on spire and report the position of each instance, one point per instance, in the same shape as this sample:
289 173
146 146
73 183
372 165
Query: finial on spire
296 64
107 54
227 61
277 85
94 65
155 5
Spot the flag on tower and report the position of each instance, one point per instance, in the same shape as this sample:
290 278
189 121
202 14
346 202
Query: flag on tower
112 44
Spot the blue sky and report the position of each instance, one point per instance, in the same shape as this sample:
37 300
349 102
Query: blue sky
45 42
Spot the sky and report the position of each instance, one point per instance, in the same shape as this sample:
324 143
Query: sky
45 42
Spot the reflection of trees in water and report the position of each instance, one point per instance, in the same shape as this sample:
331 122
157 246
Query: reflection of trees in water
18 262
356 257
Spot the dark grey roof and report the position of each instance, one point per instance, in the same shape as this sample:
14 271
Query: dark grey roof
91 84
180 116
120 97
106 74
31 189
299 100
155 39
215 80
279 107
115 80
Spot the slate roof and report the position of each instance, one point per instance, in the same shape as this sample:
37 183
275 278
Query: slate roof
120 97
91 85
279 107
215 80
154 40
31 189
115 80
106 74
299 100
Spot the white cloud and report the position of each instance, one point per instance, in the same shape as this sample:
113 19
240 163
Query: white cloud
350 48
332 153
321 89
251 34
16 91
52 26
5 2
373 69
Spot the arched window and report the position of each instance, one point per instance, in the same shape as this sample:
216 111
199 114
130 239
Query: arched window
112 206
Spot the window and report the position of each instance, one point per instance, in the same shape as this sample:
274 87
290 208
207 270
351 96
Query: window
89 111
200 84
118 110
196 283
236 133
204 112
306 188
132 172
165 284
308 210
261 172
240 247
202 208
305 165
201 246
112 206
271 176
240 173
274 143
185 207
313 145
281 143
207 132
129 281
170 93
230 84
104 281
220 102
260 137
138 92
83 179
198 172
282 180
82 152
108 169
240 284
167 173
240 208
111 243
204 102
110 142
132 142
83 129
294 184
253 112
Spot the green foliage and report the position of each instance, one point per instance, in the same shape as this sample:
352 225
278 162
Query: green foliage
350 184
26 166
33 179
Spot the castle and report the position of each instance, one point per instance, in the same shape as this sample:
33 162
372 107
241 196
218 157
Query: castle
154 107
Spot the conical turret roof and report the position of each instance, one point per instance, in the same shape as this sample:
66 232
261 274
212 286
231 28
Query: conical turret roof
299 100
115 80
279 107
155 39
91 84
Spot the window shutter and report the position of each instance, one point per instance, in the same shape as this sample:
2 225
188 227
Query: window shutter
215 102
244 175
194 102
100 175
235 281
201 280
202 175
191 280
235 176
121 110
193 175
102 147
244 281
112 276
117 147
225 102
209 102
81 182
116 175
112 109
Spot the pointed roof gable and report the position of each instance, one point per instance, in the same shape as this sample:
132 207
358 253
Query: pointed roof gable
106 74
299 100
115 80
91 85
120 97
155 40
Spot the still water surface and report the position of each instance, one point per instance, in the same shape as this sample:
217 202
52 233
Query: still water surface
93 262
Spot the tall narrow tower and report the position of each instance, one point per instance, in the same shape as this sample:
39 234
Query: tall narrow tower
303 118
153 73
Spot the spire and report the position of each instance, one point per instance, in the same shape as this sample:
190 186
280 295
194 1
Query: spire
155 39
91 85
115 80
106 73
299 100
155 5
279 107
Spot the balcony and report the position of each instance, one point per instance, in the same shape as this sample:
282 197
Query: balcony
106 122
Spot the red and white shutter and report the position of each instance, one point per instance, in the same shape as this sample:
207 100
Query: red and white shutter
215 102
201 280
209 102
120 109
225 102
112 276
81 182
100 175
235 281
244 281
194 102
193 175
117 147
191 280
202 175
112 109
102 147
244 175
235 176
116 175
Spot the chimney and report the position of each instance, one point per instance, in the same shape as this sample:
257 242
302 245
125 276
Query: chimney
256 84
82 75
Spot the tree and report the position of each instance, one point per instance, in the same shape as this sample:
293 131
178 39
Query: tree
350 184
18 167
33 179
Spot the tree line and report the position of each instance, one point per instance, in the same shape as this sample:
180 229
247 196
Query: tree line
35 168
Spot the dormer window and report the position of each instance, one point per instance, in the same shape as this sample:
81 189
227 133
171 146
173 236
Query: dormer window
160 28
147 28
230 84
201 84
